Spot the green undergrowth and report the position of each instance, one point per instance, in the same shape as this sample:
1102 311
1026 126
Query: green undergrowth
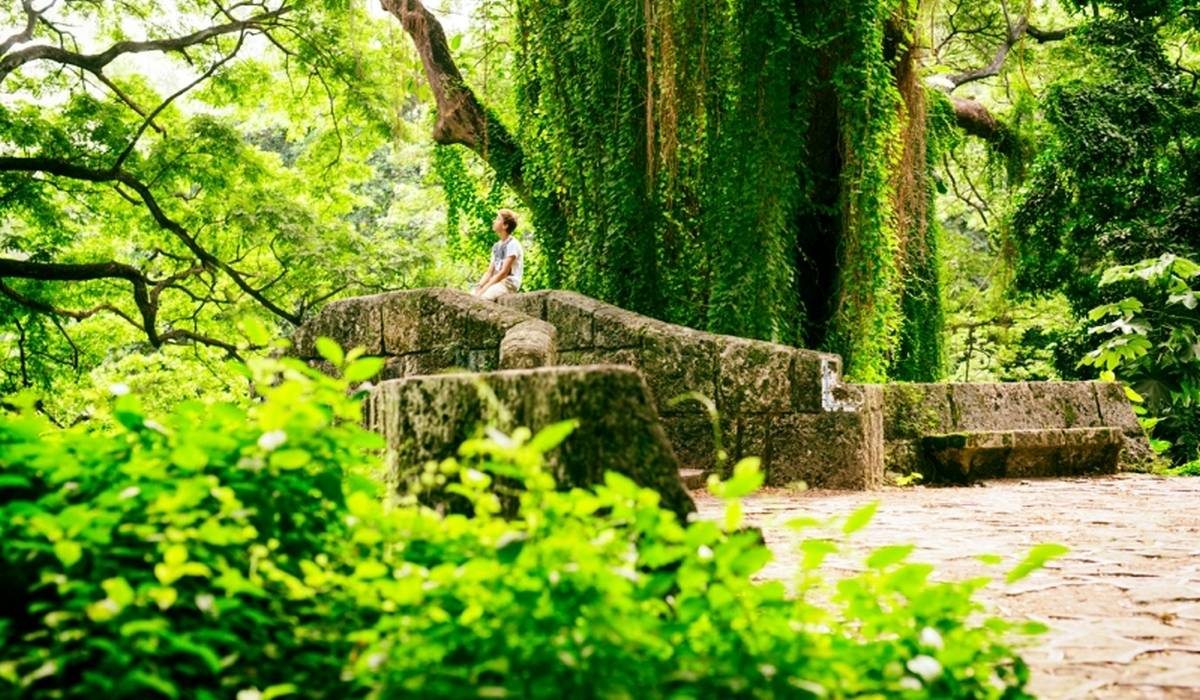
249 551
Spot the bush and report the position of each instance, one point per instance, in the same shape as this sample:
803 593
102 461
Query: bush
1151 340
247 552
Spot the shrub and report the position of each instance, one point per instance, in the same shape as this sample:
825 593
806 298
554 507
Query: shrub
247 552
1151 340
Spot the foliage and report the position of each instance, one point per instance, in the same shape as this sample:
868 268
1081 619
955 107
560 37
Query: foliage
234 550
1116 182
279 180
1152 341
734 166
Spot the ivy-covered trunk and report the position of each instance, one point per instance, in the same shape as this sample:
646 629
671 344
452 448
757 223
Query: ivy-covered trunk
755 167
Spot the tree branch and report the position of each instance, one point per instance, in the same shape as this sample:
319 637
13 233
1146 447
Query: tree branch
62 272
96 62
1015 33
26 33
63 168
461 118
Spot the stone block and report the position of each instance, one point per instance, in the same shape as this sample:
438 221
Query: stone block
436 360
483 360
693 439
991 407
531 303
967 456
751 439
528 344
426 418
753 376
806 378
913 410
904 457
402 318
572 314
486 322
677 360
613 327
629 357
1063 405
833 450
351 322
397 367
1115 408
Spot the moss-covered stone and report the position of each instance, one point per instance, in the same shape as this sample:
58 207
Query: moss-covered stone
528 344
913 410
754 376
966 456
832 450
427 418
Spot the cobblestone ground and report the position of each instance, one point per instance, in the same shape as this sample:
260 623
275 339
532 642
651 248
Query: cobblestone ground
1123 605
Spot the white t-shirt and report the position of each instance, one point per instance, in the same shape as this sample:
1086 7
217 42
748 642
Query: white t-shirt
509 248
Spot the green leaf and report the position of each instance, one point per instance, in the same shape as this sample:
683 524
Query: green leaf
860 518
292 458
1036 559
278 691
119 590
747 478
363 369
68 552
175 555
12 481
255 331
189 457
370 569
552 435
889 555
331 351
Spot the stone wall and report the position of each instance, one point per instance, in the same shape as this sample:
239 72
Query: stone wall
426 418
426 331
785 405
912 411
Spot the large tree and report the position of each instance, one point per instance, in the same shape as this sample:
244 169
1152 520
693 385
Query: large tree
753 168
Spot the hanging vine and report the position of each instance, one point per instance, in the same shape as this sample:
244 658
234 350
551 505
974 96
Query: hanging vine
754 167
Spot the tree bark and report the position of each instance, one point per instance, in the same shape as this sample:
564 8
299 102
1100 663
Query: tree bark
461 118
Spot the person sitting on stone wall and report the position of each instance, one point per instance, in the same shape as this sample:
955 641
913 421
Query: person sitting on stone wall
503 275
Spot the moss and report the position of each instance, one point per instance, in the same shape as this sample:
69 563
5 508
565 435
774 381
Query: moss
910 412
1070 417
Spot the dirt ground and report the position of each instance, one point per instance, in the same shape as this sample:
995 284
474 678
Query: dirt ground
1123 605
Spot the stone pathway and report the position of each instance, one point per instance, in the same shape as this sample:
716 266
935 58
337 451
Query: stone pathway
1123 605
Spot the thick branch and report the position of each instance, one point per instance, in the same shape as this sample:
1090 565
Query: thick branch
26 33
975 119
97 61
78 272
461 118
1015 33
62 168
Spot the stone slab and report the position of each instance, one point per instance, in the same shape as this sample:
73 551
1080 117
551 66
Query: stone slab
968 456
753 376
428 417
913 410
351 322
528 344
833 450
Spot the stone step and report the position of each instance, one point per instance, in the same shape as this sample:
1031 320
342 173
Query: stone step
996 454
693 479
